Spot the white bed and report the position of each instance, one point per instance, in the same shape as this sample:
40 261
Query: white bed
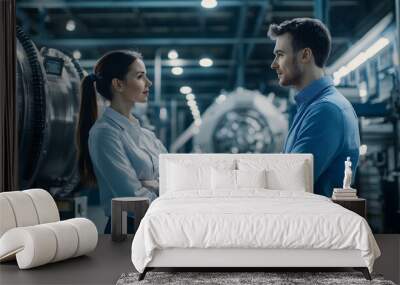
198 223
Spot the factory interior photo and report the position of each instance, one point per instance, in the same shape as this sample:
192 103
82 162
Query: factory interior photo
200 142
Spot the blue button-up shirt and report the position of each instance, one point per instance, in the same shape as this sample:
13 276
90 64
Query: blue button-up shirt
123 155
325 125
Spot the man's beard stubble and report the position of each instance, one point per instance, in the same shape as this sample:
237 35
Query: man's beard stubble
296 74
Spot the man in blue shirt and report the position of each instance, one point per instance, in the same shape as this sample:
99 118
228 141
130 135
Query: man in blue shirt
325 124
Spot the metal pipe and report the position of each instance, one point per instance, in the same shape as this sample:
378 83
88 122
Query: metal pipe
240 72
157 77
257 27
239 35
174 121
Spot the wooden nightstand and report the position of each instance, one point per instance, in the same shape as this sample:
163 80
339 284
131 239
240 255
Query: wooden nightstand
120 207
357 205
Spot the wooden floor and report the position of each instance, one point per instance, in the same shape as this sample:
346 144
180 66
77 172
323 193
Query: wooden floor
110 260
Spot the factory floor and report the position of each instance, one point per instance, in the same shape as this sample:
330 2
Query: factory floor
110 259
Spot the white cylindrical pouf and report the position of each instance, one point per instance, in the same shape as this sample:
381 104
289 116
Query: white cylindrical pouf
67 239
45 205
7 218
23 208
34 246
87 233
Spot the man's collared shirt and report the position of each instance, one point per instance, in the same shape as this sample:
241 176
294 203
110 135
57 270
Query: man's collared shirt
325 125
123 155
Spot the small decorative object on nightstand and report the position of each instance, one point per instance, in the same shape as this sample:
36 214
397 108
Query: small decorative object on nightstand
357 205
347 196
348 174
346 192
120 207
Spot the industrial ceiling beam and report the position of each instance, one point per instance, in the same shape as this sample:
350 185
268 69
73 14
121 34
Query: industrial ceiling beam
187 71
181 99
76 43
199 83
183 62
207 86
90 42
310 3
51 4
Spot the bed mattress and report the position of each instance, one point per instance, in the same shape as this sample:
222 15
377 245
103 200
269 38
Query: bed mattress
251 219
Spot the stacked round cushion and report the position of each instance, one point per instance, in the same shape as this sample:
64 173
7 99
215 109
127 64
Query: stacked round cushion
31 230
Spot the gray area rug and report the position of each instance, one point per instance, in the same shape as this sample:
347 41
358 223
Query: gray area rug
228 278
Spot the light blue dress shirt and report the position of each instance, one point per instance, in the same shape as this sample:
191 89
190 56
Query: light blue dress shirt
325 125
123 155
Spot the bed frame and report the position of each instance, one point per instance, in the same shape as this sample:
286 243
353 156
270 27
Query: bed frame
250 258
256 258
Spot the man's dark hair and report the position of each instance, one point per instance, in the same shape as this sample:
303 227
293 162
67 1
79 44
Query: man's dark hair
306 33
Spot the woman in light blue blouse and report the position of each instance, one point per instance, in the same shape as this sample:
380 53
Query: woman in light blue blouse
114 150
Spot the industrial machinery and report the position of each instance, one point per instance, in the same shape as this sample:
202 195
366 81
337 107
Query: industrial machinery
243 121
48 105
368 75
48 100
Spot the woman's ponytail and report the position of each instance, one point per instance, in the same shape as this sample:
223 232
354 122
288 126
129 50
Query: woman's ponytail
87 117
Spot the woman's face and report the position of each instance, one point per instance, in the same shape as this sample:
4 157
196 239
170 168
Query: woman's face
136 84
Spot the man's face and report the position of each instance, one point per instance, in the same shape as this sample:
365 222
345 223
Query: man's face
286 63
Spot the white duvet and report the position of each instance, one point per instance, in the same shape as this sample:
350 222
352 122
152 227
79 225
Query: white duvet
250 219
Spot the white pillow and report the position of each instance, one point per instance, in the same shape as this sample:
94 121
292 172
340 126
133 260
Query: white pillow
251 178
183 177
230 180
223 179
294 180
281 174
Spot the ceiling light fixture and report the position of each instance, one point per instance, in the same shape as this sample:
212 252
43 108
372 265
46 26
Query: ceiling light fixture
196 113
360 59
185 90
173 54
70 26
209 4
206 62
192 104
190 97
76 54
177 70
